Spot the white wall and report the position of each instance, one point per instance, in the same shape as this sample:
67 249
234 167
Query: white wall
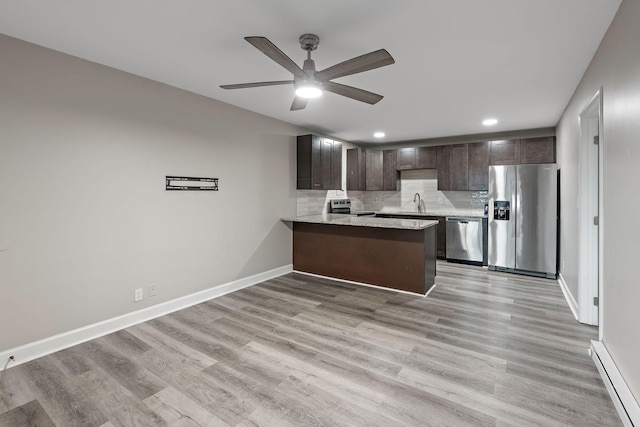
615 67
84 216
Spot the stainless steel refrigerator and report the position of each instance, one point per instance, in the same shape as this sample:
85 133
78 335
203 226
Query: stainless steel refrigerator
523 214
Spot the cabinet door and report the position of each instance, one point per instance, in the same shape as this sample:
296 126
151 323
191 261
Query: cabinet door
308 162
441 237
355 169
538 150
505 152
426 158
444 183
336 166
326 163
459 167
374 176
406 158
478 166
389 171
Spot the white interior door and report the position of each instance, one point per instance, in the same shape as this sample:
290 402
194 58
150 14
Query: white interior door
590 215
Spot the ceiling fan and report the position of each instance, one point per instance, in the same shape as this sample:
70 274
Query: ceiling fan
310 83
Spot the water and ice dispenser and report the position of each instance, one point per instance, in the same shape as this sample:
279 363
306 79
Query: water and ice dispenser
501 210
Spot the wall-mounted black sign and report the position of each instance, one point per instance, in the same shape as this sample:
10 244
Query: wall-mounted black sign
185 183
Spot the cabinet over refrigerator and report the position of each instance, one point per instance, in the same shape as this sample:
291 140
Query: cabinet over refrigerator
523 216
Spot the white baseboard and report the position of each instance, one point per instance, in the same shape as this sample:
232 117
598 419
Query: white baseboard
571 301
624 401
34 350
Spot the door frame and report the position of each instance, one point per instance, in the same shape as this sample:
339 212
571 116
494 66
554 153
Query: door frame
590 195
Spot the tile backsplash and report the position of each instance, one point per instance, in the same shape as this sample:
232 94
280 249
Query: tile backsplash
421 181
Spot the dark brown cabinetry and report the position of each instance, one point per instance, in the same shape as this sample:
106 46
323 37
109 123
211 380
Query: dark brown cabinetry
356 177
406 158
416 158
372 170
426 158
538 150
522 151
389 171
441 231
478 166
441 237
505 152
444 156
319 163
459 167
374 177
463 167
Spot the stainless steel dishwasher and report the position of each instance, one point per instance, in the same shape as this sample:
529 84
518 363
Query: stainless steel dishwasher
464 239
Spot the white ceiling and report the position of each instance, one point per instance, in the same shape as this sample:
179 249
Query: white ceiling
457 61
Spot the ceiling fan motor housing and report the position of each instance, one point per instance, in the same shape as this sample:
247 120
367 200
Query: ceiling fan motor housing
309 42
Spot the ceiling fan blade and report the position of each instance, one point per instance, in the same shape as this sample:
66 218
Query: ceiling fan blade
257 84
271 50
299 103
353 92
366 62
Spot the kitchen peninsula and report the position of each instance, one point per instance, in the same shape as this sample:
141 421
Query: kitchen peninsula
389 252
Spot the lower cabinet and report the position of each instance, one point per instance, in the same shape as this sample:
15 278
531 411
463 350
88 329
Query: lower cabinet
441 229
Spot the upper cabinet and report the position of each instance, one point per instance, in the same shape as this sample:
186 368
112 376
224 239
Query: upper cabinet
389 170
522 151
478 171
416 158
538 150
463 167
372 170
374 159
356 169
505 152
319 163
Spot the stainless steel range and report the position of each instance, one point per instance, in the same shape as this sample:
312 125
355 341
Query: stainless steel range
343 206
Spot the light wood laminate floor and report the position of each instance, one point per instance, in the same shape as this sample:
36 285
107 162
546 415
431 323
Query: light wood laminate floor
483 349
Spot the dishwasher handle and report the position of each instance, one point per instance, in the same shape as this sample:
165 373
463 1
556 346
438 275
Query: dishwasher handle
463 220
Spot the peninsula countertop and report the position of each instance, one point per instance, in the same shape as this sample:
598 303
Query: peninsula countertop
364 221
431 214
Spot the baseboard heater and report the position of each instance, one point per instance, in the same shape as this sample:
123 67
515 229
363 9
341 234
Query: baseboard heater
623 400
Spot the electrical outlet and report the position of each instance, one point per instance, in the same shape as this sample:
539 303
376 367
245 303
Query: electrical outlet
562 267
440 200
153 290
137 295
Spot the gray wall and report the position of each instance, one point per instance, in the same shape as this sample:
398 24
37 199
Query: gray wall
615 67
84 216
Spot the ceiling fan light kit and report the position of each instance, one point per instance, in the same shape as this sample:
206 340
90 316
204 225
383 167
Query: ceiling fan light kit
308 82
309 90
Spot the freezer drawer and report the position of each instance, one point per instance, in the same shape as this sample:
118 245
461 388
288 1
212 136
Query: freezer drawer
464 239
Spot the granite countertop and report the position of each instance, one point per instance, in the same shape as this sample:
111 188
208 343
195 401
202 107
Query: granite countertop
364 221
414 213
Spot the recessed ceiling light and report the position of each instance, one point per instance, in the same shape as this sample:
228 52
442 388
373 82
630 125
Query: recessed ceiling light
379 135
490 122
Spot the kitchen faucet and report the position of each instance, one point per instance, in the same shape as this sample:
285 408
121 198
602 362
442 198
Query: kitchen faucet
417 199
